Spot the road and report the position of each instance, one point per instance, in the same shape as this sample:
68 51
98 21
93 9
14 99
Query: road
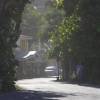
48 89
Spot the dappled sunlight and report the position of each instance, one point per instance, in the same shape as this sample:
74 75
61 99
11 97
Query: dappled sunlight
49 84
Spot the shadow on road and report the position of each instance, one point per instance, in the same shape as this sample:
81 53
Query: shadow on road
86 84
31 95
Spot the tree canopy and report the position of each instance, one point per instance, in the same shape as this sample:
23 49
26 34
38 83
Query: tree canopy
77 38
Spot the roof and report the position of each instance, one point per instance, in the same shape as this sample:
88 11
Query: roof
30 53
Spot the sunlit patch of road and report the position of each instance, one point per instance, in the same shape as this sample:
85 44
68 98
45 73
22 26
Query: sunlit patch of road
72 91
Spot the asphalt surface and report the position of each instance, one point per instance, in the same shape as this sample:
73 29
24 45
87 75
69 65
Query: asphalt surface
48 89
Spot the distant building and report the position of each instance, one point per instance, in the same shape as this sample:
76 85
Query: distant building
23 46
30 66
31 63
24 42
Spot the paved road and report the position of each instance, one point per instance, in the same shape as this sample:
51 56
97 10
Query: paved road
51 90
48 89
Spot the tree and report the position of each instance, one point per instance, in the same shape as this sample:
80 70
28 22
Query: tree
89 11
85 41
10 19
61 38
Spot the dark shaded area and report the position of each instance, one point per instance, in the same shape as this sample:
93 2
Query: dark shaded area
10 19
90 85
35 95
31 95
81 84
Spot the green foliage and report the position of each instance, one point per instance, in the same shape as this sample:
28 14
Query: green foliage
62 42
34 22
60 3
61 38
